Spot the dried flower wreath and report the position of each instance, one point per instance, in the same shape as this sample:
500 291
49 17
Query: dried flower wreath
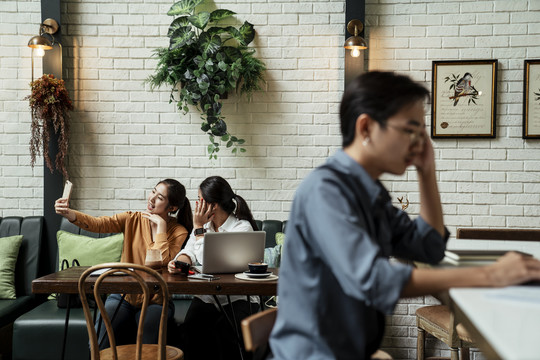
50 105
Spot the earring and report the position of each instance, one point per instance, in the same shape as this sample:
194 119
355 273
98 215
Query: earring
365 141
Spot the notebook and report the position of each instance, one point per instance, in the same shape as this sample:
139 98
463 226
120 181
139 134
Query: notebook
230 252
475 257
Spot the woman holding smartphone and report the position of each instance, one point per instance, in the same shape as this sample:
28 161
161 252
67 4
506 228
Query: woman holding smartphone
208 335
164 225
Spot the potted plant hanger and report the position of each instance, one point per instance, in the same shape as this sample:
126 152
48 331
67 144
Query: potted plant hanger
50 105
203 63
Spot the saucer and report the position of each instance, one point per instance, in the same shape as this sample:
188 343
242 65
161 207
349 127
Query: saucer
253 275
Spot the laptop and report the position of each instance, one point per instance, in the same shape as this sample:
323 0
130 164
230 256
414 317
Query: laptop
230 252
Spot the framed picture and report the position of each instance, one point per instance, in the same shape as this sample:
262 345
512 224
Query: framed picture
464 99
531 100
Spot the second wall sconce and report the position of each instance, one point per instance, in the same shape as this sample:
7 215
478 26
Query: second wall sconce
355 43
40 43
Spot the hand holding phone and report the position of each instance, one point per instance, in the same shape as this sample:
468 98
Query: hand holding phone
67 190
182 266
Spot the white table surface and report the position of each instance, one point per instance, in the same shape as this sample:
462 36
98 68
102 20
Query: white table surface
508 318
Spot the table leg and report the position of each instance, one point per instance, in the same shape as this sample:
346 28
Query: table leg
233 328
66 325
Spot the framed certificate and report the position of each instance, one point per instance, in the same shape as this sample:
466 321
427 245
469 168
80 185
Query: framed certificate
464 99
531 100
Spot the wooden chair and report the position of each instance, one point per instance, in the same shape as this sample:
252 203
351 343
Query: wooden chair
257 327
439 321
136 351
256 330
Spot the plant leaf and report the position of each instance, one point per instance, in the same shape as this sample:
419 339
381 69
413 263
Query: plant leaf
235 34
203 79
181 36
248 33
205 127
177 23
225 137
183 7
209 44
231 52
242 150
216 30
200 20
220 14
222 66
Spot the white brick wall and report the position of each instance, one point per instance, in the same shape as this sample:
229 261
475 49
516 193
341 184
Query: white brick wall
125 137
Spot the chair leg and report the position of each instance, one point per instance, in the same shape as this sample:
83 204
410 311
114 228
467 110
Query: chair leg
464 353
454 353
420 344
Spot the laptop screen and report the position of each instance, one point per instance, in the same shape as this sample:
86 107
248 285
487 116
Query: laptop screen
230 252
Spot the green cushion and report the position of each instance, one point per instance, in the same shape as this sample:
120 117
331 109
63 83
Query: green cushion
280 238
88 250
9 250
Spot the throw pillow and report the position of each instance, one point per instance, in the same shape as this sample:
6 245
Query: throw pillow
272 256
280 238
88 250
9 250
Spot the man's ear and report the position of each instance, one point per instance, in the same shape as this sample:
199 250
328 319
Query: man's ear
363 127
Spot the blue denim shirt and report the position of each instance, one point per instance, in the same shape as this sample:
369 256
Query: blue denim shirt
336 281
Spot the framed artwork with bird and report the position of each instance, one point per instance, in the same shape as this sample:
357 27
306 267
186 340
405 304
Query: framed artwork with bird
531 99
464 96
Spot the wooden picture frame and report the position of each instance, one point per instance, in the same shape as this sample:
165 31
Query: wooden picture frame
531 99
464 99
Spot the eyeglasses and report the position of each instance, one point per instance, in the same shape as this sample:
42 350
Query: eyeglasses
414 136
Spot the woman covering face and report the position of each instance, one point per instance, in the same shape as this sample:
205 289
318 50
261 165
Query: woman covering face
218 209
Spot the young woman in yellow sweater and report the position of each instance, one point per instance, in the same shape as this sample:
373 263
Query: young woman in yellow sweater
154 228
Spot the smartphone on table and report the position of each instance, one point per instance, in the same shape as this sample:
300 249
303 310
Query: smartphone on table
200 276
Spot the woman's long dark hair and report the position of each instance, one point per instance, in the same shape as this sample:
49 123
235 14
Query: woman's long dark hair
216 190
176 194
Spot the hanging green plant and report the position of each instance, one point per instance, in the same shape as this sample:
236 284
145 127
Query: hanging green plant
203 63
50 105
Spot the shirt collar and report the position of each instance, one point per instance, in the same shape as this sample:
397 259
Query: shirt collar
374 188
227 225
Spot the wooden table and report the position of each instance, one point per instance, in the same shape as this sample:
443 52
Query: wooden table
66 282
503 321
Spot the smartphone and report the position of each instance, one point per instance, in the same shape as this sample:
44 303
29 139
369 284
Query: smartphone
182 266
206 277
67 190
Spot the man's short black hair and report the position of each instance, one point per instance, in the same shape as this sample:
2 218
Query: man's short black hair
378 94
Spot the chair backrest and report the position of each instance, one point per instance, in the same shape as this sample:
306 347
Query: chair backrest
134 271
257 327
498 234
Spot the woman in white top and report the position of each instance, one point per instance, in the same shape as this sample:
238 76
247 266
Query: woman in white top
207 333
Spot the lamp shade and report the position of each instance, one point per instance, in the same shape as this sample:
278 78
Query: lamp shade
40 42
355 42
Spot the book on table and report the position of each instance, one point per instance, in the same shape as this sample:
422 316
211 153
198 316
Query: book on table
474 257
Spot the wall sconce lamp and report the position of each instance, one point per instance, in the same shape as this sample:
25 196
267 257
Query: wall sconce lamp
40 43
355 43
